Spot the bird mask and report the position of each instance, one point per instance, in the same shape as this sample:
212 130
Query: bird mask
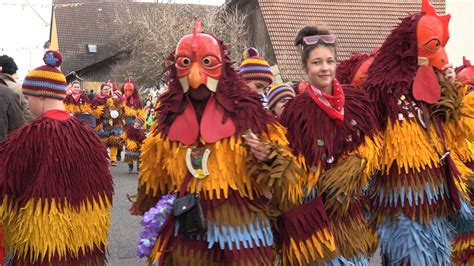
199 67
432 35
198 60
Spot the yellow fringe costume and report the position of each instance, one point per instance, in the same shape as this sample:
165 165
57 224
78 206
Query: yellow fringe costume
237 188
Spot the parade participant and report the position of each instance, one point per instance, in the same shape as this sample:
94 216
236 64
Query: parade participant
78 104
217 147
463 241
332 127
133 138
109 119
256 71
422 181
54 179
278 95
132 109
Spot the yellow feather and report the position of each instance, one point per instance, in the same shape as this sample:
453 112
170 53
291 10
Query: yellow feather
57 231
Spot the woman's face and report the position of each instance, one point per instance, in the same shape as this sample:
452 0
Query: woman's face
105 90
321 67
258 86
76 88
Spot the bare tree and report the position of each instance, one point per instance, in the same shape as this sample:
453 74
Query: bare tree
150 32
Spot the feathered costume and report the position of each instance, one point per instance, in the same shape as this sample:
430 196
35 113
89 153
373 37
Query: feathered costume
109 129
79 105
56 200
422 180
233 186
463 241
339 154
131 110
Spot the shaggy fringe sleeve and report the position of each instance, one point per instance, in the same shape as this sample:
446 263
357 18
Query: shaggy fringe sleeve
154 180
345 182
282 178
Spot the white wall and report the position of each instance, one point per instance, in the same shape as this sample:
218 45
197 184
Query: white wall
24 32
461 28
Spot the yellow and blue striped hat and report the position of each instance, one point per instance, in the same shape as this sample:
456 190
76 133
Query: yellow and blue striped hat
46 81
255 67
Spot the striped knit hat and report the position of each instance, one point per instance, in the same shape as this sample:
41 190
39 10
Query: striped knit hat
278 92
255 67
139 120
47 80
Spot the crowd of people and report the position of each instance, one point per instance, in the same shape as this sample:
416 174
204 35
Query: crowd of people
235 169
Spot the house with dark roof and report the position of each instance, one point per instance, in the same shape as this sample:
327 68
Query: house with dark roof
360 25
90 39
85 34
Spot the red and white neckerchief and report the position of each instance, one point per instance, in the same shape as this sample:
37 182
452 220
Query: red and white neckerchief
76 96
332 105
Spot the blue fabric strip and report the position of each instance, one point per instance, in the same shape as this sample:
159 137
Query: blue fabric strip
406 241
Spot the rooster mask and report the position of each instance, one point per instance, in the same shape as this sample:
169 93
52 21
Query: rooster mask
198 62
432 35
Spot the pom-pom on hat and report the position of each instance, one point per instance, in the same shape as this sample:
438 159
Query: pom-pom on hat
278 92
46 81
255 67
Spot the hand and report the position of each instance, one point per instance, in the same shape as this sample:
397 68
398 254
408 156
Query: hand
449 74
134 209
259 149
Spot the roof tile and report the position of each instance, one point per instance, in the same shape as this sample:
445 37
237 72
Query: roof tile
361 25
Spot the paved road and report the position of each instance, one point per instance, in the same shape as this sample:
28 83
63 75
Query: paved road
125 228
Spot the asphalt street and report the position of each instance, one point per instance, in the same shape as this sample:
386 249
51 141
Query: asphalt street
125 227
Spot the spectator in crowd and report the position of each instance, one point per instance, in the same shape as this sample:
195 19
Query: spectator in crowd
8 76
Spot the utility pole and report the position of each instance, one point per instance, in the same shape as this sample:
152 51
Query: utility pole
36 12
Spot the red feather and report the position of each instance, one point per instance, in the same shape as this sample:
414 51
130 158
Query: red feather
53 159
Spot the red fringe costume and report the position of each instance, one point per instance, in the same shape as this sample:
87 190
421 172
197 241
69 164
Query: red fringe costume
420 184
339 158
131 110
56 193
232 196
